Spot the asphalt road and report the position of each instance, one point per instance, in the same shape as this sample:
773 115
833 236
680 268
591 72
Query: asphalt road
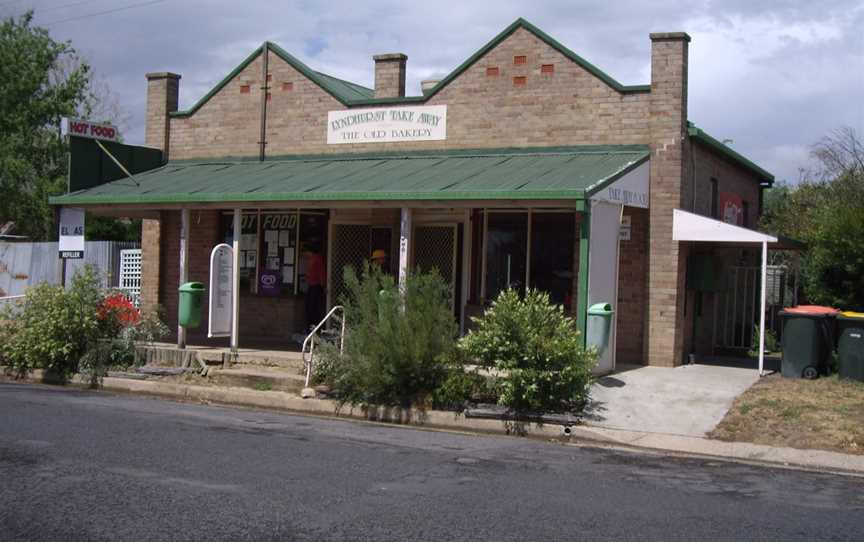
78 465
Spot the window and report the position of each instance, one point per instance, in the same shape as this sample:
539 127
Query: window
553 239
745 210
715 199
271 248
506 252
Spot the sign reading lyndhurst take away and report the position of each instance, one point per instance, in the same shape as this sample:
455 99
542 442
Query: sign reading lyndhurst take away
387 124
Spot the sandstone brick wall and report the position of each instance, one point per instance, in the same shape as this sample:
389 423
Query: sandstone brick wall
667 258
390 75
567 107
632 291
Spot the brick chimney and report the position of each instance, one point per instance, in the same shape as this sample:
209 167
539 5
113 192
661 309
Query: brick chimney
390 75
163 92
667 329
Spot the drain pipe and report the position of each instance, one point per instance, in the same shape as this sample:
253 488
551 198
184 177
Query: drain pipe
265 90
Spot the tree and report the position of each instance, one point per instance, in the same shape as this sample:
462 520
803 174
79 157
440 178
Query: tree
41 81
827 213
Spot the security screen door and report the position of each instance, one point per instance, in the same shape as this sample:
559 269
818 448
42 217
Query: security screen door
435 247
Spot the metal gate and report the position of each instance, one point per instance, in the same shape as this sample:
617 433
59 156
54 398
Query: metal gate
349 247
435 248
736 311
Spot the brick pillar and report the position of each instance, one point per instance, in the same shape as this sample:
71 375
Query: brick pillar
163 91
666 259
390 75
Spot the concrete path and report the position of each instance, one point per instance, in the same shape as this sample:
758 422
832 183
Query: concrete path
689 400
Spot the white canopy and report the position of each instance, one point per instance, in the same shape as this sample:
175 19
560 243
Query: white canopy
692 227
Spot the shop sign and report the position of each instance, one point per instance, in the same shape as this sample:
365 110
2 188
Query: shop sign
92 130
387 125
221 291
731 208
71 245
625 229
269 283
631 189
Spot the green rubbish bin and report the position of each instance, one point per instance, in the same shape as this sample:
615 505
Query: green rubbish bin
850 345
599 326
191 303
807 341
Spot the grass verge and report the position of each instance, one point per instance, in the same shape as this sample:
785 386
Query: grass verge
824 414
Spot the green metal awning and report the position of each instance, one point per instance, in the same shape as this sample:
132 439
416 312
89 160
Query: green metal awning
565 173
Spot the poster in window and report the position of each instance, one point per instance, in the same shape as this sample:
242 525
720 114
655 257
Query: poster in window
731 208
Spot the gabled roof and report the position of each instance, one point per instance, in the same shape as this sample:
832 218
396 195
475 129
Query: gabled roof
554 173
697 134
352 94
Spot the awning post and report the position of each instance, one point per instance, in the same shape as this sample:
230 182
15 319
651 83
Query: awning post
762 310
405 227
582 287
184 268
235 288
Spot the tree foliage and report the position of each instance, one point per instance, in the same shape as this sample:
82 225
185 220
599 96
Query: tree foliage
41 81
827 212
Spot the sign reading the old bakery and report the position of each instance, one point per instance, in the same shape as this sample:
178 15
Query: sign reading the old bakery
387 125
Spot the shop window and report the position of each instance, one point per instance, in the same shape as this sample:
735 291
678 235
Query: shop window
506 252
272 247
248 246
553 241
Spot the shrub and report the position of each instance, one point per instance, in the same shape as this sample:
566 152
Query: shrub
537 351
54 327
396 346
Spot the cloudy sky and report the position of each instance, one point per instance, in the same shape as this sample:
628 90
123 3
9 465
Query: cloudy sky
772 76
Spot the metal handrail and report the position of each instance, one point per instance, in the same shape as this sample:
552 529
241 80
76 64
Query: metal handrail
310 340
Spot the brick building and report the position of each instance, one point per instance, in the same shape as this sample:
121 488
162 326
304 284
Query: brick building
526 165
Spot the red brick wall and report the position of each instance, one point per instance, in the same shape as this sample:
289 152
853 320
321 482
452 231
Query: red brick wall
632 289
730 177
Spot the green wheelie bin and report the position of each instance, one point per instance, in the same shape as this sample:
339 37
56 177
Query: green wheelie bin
599 326
850 345
191 303
808 340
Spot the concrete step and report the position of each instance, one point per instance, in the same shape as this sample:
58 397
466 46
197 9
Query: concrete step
258 377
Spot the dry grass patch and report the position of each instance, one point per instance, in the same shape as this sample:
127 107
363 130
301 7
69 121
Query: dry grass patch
825 414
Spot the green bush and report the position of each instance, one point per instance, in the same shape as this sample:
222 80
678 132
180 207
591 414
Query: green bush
54 327
396 347
537 351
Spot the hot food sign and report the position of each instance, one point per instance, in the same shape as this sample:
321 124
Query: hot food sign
92 130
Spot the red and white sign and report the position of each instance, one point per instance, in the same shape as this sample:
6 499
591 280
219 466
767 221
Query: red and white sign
85 128
731 208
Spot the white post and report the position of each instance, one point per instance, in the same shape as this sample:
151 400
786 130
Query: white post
762 311
405 232
184 268
235 290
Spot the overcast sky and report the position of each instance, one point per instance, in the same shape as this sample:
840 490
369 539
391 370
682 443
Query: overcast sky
772 76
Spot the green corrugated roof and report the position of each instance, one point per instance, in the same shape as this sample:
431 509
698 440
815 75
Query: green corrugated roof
564 173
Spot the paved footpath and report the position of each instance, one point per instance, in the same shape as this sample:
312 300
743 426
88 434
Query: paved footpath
81 465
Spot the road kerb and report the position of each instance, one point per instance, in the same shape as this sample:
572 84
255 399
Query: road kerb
818 460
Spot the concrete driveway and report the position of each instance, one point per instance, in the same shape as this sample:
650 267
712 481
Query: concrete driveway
688 400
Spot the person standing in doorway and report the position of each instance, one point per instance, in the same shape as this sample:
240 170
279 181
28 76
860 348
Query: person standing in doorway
316 279
379 260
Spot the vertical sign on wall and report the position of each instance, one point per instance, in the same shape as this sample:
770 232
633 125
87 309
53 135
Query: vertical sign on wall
221 290
71 244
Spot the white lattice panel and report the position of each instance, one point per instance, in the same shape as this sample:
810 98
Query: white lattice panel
130 273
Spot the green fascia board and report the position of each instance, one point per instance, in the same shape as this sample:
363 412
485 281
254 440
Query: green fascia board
555 173
352 94
697 134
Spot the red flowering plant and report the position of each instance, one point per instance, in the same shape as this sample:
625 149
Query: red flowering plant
116 312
